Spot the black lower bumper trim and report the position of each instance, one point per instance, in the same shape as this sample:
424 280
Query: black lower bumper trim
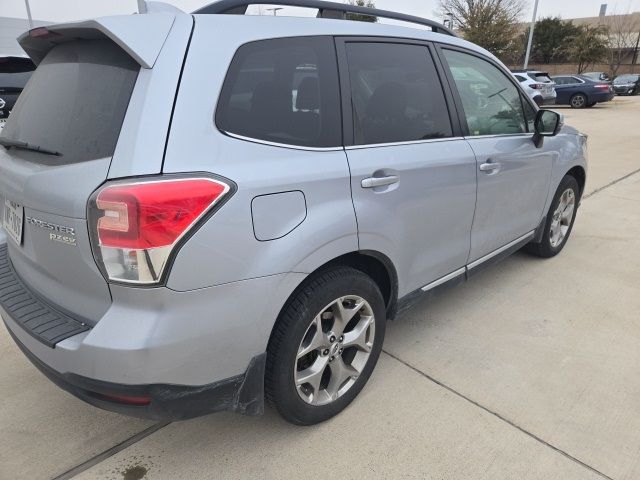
42 321
241 394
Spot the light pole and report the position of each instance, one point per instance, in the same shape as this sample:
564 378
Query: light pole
26 2
274 10
533 26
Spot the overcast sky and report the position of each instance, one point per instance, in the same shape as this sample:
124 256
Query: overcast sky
60 10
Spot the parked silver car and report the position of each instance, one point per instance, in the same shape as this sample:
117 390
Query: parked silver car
203 210
538 86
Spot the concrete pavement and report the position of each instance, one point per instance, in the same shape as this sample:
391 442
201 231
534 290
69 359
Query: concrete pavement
527 371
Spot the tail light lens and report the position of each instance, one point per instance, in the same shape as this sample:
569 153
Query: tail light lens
602 86
136 226
536 86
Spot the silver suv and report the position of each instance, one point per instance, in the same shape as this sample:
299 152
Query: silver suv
205 210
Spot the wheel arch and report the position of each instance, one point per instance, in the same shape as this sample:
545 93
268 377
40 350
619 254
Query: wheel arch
372 263
579 173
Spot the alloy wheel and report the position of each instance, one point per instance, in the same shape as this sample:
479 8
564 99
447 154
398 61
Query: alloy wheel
562 217
578 101
334 350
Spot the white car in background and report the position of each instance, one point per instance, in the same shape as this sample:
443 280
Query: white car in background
538 86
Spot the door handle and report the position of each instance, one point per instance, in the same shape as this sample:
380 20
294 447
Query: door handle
373 182
490 166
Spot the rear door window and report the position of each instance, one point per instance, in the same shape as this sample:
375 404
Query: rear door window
284 91
396 94
75 101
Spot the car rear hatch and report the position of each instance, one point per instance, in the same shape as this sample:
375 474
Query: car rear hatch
543 78
82 110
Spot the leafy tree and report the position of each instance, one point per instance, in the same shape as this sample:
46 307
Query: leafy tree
492 24
550 38
362 18
588 46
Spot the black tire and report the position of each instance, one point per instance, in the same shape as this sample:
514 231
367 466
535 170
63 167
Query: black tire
578 100
293 323
545 249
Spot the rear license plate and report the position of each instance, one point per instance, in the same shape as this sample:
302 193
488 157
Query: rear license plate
12 220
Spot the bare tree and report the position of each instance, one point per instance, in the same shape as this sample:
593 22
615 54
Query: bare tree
359 17
492 24
623 36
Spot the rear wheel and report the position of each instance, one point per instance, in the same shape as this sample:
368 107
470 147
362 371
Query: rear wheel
578 101
325 345
560 220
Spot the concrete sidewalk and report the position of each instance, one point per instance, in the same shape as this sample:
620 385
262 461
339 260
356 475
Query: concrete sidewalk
527 371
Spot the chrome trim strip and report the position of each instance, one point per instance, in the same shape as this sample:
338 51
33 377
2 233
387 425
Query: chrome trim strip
282 145
500 250
397 144
444 279
502 135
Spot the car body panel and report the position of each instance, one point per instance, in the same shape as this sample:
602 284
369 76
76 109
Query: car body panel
511 199
431 205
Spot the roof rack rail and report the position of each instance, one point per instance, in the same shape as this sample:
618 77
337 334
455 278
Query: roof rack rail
325 10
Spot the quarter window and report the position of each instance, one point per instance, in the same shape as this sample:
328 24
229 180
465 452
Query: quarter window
490 100
283 91
396 94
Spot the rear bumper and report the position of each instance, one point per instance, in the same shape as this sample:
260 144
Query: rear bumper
177 354
241 393
602 97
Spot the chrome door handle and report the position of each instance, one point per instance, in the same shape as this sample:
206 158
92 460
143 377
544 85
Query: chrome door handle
373 182
490 166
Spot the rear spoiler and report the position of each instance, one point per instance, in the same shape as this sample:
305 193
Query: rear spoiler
141 36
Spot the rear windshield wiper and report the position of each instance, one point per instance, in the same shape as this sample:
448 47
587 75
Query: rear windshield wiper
8 143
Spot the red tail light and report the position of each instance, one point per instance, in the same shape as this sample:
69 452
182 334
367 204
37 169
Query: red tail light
136 225
536 86
603 86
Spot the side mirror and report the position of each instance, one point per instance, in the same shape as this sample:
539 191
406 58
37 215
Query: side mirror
547 124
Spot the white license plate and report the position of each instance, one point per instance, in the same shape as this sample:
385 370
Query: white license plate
12 220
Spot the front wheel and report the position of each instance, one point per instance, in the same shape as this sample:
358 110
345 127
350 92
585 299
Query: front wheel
560 220
324 346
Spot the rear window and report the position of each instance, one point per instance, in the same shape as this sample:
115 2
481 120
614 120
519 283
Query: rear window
541 77
75 101
283 91
14 73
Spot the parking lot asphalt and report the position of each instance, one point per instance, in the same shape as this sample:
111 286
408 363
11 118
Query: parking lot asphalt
527 371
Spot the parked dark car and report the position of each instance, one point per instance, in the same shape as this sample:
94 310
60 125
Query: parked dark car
14 74
580 91
628 84
598 76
